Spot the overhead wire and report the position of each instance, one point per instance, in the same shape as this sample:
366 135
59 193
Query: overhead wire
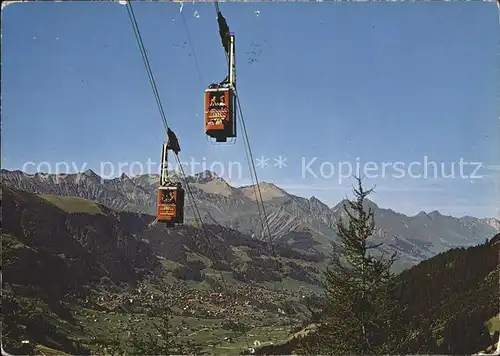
264 219
191 46
253 173
192 50
198 217
144 55
256 184
247 151
201 80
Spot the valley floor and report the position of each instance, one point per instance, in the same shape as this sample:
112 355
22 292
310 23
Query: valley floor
249 315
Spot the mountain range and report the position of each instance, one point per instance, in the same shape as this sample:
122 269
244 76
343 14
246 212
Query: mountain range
302 223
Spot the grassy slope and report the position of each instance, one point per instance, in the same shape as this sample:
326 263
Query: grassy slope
92 324
73 204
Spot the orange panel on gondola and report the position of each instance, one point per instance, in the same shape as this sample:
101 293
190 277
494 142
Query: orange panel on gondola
220 110
170 207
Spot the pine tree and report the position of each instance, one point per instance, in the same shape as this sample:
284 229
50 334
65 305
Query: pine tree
360 314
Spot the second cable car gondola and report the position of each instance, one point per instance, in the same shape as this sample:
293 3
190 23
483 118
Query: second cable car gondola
170 204
170 208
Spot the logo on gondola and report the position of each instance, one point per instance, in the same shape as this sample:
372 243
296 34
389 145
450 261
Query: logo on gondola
169 197
217 103
218 110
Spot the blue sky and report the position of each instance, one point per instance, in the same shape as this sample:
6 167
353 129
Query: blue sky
387 83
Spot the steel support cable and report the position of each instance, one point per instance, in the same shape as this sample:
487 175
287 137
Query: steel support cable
257 185
205 232
263 217
252 174
251 165
191 46
189 189
198 217
153 83
164 119
142 49
162 113
248 151
192 51
270 242
257 192
255 182
144 54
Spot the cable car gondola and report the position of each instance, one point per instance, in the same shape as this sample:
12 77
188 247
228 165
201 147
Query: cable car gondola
220 99
220 112
170 204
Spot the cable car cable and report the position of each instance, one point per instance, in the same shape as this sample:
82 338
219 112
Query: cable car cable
265 217
140 42
207 240
162 113
257 185
246 150
189 189
209 244
249 151
158 101
191 46
164 119
137 33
